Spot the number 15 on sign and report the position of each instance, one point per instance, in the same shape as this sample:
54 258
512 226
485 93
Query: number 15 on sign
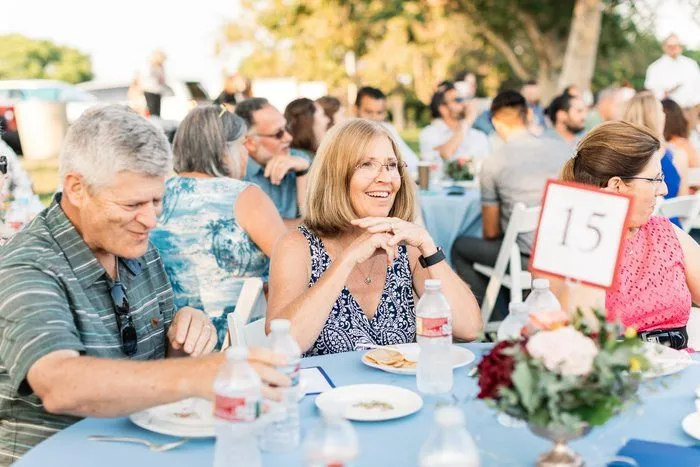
580 233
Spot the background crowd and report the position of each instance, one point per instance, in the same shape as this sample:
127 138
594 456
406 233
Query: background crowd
143 251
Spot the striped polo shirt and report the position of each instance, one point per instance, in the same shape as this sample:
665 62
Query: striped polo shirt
55 295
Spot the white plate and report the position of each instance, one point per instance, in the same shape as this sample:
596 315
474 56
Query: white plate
657 354
189 418
691 425
346 399
460 358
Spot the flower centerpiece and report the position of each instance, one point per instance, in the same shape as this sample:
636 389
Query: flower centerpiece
563 377
459 170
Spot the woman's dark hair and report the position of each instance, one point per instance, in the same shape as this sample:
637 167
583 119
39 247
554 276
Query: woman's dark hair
330 106
300 122
676 123
201 141
438 98
612 149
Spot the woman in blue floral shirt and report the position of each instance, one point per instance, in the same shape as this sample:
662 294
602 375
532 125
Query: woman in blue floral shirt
215 230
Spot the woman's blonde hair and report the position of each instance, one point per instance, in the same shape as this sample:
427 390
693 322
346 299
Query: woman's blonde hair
645 109
328 210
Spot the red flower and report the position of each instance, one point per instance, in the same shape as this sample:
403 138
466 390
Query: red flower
495 371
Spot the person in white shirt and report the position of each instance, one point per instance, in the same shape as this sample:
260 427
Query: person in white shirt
371 105
450 136
675 76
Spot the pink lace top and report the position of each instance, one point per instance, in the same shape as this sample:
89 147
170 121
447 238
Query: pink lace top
651 291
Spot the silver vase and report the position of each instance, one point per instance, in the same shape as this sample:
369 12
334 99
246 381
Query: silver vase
561 455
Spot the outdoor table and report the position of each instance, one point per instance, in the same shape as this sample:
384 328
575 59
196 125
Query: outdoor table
450 216
396 442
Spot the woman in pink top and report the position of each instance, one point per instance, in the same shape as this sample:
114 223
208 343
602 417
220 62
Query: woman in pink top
659 275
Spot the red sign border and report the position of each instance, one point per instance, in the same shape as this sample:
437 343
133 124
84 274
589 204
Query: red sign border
620 250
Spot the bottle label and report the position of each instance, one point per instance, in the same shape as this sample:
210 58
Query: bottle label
237 409
433 327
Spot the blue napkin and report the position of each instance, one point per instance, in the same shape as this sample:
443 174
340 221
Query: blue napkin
651 454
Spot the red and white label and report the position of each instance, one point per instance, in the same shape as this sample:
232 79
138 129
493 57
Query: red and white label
236 409
433 327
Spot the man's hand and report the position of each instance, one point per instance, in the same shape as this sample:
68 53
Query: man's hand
278 167
192 332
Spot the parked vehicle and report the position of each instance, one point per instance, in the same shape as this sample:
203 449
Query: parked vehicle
13 91
179 98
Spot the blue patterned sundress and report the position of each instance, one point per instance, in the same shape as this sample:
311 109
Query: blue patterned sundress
348 326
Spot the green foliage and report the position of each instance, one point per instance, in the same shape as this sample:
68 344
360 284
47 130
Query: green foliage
568 403
459 170
22 57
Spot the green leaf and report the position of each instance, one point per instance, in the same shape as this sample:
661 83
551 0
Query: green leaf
525 385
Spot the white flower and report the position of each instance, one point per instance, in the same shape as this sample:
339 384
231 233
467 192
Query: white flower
564 350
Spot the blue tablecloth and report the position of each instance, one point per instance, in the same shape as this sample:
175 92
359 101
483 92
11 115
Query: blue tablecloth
396 442
450 216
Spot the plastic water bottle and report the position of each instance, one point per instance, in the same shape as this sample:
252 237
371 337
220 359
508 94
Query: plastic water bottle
331 442
517 319
450 445
541 299
283 433
434 336
237 407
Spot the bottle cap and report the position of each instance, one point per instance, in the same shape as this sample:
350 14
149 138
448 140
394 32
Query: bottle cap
449 416
540 284
433 283
280 325
518 307
237 352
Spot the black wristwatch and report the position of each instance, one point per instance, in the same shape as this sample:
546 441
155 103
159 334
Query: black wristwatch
433 259
301 173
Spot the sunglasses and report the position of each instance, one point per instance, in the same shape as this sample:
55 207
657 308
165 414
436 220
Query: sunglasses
3 165
127 331
279 135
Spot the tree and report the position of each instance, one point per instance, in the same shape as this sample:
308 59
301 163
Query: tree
420 42
22 57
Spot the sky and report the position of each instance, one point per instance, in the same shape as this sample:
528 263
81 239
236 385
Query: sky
120 35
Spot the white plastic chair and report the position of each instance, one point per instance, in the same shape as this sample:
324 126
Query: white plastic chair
694 177
687 208
694 181
246 325
522 220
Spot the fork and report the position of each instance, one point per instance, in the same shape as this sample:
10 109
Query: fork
152 446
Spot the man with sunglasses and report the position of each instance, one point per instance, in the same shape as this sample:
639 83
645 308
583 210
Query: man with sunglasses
277 170
450 135
86 309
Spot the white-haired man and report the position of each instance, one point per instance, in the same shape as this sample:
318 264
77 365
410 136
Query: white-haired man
674 75
87 311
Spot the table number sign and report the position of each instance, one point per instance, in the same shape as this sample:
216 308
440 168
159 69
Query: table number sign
580 233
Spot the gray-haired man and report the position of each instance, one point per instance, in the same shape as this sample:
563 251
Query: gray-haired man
86 308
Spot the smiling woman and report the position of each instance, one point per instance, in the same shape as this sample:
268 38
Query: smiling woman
360 251
658 277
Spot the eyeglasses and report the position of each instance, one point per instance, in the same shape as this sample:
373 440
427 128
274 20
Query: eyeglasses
279 135
127 331
372 169
655 181
3 165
